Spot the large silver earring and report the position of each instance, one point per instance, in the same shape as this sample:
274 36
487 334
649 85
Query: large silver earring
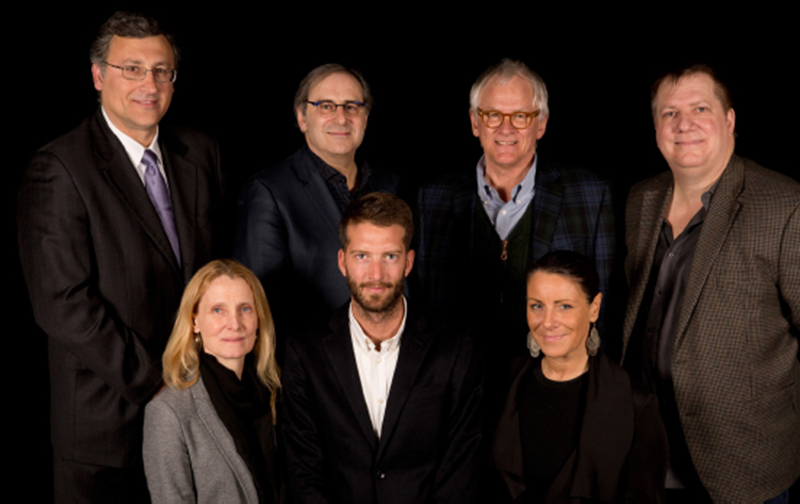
533 346
198 341
593 343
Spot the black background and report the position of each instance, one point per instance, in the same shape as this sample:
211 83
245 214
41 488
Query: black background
241 66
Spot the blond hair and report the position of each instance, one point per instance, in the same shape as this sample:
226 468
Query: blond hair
181 357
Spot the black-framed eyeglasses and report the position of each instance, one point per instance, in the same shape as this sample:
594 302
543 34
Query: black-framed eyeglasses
138 73
328 108
519 120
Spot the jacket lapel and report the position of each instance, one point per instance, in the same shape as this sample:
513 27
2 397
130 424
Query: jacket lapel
413 349
651 214
463 218
606 435
182 179
507 447
546 209
339 349
316 193
122 177
218 432
721 215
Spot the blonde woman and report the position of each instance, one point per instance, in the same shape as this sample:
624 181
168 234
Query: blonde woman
208 437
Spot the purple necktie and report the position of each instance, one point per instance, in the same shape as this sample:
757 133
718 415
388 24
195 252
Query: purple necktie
159 196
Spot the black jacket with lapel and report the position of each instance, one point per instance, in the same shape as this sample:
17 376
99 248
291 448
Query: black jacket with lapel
288 234
431 430
103 280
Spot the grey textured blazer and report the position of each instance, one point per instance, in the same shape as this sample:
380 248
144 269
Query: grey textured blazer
735 365
189 455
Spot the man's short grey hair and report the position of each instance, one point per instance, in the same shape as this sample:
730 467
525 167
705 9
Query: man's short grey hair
128 25
504 72
318 74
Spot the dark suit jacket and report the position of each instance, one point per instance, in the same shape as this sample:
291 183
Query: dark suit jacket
572 210
431 431
104 281
622 449
288 234
735 365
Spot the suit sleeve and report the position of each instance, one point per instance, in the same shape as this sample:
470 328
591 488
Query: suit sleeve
789 267
647 462
459 471
56 251
166 457
308 476
261 238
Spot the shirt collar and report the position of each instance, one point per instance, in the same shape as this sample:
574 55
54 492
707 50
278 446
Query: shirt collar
328 172
134 149
521 193
706 196
362 341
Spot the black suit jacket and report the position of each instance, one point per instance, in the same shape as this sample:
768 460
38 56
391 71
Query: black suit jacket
288 234
431 431
104 281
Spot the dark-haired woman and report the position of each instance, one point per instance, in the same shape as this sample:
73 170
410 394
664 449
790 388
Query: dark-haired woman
574 427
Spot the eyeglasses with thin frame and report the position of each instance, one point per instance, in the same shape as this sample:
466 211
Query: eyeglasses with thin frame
519 120
328 108
138 73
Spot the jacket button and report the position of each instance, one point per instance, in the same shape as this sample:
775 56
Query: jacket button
381 475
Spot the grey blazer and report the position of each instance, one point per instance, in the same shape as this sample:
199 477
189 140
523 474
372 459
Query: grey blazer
189 455
735 368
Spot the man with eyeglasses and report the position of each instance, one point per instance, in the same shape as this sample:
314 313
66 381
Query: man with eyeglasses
480 229
287 230
114 218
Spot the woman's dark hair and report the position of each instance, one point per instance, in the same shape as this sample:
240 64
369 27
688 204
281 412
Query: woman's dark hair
569 264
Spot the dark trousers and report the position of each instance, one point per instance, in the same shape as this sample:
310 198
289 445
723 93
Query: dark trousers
78 482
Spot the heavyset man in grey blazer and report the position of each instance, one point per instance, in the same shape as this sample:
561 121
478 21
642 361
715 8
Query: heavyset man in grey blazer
714 310
287 230
108 238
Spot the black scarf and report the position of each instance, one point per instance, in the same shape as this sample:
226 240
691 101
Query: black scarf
244 408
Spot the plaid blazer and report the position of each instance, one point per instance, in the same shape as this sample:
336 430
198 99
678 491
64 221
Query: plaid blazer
735 364
572 210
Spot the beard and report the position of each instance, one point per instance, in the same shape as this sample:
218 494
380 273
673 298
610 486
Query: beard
376 303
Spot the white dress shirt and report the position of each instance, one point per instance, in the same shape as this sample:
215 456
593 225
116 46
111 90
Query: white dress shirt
135 150
376 367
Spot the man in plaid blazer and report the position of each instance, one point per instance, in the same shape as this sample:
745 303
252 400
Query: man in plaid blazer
479 230
714 309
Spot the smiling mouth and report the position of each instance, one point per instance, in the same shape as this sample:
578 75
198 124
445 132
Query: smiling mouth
688 141
498 142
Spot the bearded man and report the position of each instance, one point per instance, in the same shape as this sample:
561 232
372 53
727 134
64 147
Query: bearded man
381 406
